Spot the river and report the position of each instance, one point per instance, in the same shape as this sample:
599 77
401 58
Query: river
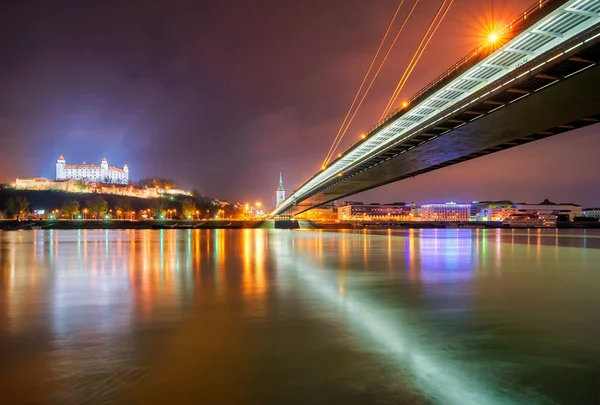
435 316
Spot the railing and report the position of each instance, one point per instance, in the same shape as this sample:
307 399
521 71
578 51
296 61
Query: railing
514 23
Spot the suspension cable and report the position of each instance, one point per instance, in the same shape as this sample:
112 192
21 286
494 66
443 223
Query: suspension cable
421 52
415 58
364 79
339 139
433 26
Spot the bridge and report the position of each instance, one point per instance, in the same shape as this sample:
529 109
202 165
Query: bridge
543 81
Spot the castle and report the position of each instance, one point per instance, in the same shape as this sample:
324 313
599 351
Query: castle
102 173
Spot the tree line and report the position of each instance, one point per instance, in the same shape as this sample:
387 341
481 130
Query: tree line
97 207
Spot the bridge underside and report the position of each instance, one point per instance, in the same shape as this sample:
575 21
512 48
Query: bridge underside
553 101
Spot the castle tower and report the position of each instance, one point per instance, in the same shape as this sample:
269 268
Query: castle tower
280 191
126 170
104 171
61 173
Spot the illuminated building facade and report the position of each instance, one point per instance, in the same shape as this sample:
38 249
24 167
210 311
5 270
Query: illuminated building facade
495 213
90 173
354 211
449 211
591 213
325 212
548 208
494 210
500 210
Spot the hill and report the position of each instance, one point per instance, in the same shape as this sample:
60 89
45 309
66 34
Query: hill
50 200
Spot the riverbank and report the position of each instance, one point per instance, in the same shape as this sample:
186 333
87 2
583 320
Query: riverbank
9 225
124 224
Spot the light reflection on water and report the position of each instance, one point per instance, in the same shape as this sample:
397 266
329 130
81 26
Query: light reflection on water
275 316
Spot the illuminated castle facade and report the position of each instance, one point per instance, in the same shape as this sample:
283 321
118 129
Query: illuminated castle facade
102 173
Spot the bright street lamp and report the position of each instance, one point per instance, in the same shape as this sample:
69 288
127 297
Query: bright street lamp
493 38
258 204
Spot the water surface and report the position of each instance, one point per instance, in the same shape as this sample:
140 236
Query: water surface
455 317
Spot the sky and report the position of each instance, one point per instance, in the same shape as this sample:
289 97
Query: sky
224 95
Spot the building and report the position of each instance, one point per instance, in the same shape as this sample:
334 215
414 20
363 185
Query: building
102 173
356 211
495 213
474 210
547 208
325 212
493 210
280 191
449 211
591 213
500 210
415 211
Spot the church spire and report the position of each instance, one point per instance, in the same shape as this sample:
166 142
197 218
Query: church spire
280 191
